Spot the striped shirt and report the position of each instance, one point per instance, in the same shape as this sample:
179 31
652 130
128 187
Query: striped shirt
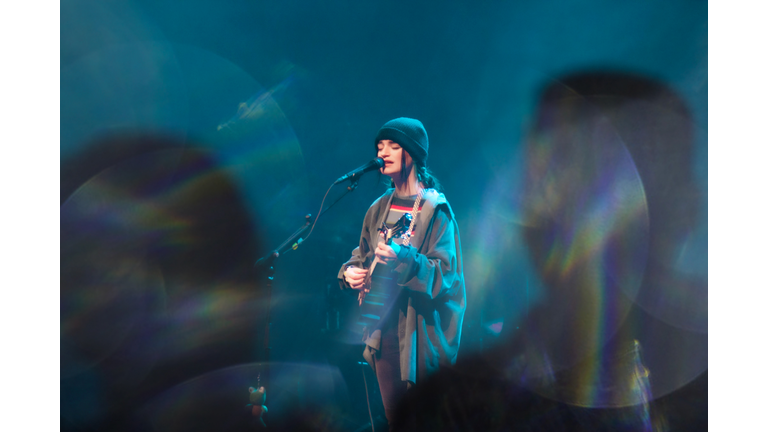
399 208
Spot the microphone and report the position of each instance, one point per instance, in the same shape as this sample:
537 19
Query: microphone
358 172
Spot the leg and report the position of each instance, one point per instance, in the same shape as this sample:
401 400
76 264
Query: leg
388 373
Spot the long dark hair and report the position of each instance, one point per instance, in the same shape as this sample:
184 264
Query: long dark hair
423 175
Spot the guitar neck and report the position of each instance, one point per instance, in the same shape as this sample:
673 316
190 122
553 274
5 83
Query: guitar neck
389 235
373 266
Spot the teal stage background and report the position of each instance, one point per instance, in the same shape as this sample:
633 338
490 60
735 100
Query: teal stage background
570 139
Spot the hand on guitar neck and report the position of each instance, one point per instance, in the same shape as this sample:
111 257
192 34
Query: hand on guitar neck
360 279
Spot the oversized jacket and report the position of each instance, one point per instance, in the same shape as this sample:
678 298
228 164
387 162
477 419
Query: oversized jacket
431 274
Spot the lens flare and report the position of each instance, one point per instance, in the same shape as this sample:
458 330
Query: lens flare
608 204
586 228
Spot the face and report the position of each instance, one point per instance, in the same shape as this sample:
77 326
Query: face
392 154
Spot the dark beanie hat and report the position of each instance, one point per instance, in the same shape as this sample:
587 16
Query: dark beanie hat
411 136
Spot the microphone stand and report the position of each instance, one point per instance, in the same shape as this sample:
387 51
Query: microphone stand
265 266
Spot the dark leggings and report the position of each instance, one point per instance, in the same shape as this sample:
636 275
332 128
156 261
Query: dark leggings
388 372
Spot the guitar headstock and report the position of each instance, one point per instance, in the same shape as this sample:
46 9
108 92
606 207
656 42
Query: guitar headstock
398 229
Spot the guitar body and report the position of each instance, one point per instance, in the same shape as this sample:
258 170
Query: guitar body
380 298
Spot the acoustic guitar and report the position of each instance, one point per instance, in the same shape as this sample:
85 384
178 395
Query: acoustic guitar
380 286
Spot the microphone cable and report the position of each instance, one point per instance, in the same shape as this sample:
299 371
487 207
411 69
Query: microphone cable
321 211
380 163
367 396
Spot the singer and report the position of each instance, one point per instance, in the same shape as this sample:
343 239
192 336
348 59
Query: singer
420 332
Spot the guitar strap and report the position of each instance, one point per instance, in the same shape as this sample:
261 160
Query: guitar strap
432 199
414 210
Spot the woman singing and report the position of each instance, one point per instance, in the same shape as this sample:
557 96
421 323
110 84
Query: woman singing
420 330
